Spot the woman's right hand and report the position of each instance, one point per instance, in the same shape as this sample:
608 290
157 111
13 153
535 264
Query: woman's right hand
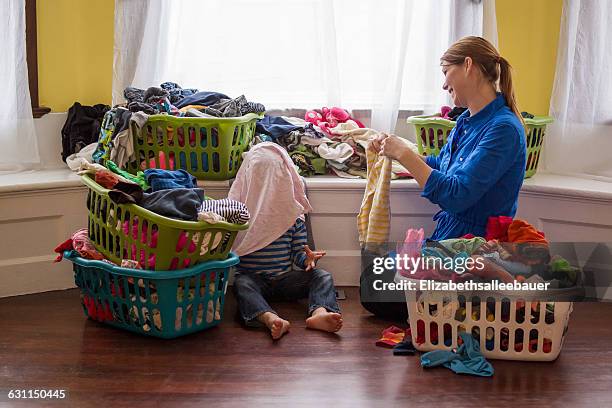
375 144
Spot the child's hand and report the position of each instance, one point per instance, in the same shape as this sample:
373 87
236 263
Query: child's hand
311 258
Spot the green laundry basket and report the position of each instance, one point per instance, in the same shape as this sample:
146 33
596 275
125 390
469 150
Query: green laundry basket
128 231
536 128
208 148
164 304
432 132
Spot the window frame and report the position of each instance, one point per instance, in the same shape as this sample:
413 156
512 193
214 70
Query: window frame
32 59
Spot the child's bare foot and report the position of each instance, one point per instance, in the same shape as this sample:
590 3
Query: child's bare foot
278 327
321 319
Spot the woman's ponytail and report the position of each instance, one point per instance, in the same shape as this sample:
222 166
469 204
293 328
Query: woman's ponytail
506 88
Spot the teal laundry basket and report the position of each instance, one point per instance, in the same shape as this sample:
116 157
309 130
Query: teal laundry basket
164 304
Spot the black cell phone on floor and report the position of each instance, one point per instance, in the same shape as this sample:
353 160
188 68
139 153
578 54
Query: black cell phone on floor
340 295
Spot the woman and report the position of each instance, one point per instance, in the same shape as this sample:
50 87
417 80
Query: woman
480 170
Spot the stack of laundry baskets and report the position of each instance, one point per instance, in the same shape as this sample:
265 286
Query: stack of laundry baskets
179 270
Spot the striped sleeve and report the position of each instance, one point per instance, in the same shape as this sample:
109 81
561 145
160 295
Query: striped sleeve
299 239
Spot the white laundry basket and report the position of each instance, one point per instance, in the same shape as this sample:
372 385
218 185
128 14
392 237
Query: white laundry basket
436 319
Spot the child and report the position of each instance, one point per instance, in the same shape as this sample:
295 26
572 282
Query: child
275 262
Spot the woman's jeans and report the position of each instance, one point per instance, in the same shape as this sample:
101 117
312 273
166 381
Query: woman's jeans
254 290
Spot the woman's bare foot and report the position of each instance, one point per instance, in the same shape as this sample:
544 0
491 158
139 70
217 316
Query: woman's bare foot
278 327
321 319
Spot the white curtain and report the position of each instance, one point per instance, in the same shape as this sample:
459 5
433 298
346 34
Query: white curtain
357 54
579 142
473 17
18 147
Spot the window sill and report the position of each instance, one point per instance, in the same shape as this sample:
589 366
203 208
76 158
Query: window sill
545 184
540 183
40 111
566 186
38 181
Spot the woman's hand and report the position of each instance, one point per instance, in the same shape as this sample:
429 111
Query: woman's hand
399 149
375 144
311 258
393 147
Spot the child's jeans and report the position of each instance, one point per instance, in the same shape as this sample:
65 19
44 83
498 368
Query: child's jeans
253 289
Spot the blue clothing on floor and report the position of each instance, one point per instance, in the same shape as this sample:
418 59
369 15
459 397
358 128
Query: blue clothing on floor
160 179
203 98
405 348
275 126
280 256
467 360
479 171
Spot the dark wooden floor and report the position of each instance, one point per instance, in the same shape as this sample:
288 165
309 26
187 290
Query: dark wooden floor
46 343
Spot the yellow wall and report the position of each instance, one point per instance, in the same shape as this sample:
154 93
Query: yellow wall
75 50
528 33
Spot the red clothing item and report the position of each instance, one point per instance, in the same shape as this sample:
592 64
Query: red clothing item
520 231
106 178
497 228
64 246
96 311
81 243
390 337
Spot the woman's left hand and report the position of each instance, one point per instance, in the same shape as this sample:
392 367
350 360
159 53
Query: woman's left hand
311 258
393 147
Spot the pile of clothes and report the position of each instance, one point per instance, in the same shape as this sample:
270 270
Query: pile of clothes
511 250
325 141
170 193
171 99
446 112
114 129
